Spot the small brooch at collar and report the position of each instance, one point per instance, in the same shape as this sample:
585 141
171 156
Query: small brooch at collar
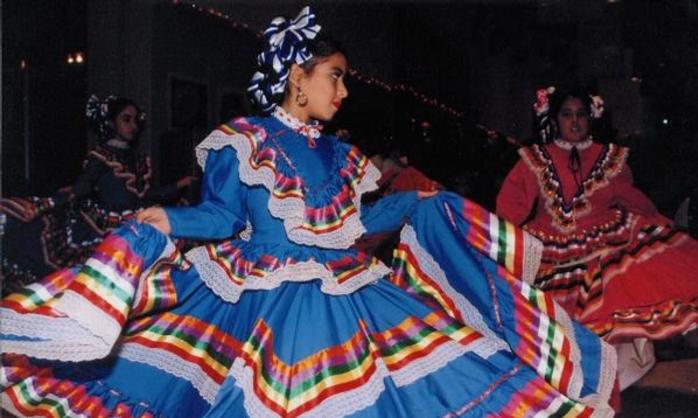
311 130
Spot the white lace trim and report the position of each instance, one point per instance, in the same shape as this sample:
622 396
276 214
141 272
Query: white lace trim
87 334
603 413
338 405
563 320
174 365
246 234
532 254
349 402
471 316
8 405
439 358
607 377
291 209
553 407
473 319
581 145
58 338
91 318
608 364
215 277
313 128
169 249
84 333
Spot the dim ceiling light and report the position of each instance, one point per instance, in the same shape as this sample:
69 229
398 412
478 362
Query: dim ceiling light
76 58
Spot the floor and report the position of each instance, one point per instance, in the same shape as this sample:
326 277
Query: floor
670 389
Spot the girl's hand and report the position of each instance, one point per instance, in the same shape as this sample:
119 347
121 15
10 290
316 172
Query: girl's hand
29 210
186 181
423 194
155 216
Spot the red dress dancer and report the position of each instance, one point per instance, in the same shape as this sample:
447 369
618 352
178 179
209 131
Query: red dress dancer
610 259
395 177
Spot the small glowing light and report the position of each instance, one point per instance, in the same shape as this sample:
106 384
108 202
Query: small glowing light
75 58
665 121
636 79
23 64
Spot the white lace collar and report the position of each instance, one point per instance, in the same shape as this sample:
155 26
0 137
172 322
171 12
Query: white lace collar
566 145
118 143
311 130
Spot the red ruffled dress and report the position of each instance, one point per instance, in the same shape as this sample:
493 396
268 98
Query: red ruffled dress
393 180
402 179
610 259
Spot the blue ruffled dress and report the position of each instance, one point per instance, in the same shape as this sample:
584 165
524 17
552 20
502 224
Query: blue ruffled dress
290 320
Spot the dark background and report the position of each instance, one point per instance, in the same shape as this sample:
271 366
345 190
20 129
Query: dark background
483 59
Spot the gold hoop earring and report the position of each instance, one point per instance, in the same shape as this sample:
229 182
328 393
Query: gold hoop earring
301 98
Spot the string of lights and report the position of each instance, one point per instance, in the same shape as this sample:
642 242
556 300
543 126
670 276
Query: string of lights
356 74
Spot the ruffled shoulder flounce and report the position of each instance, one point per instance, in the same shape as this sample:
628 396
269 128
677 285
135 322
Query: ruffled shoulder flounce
329 218
137 183
609 163
231 267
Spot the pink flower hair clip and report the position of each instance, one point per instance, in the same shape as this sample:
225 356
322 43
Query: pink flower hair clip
597 106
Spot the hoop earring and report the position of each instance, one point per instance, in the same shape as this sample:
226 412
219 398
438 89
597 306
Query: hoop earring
301 98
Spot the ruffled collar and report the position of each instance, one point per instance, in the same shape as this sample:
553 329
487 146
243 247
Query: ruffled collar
310 130
326 216
136 170
566 145
564 214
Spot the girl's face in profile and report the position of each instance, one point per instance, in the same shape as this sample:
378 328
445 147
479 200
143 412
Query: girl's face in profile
126 124
325 87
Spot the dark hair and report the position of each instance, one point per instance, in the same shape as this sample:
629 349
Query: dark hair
104 125
320 48
118 105
559 97
281 49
